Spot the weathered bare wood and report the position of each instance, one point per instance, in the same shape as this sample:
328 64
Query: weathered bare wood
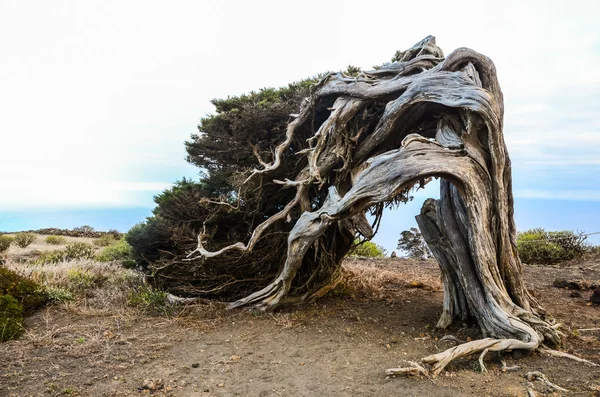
379 134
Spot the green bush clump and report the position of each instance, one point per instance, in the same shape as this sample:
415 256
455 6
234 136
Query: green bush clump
55 256
11 318
28 293
80 279
24 239
57 294
543 247
5 242
368 249
105 240
80 251
119 251
150 301
55 240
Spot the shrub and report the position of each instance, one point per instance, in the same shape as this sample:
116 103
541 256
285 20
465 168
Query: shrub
412 242
5 242
11 318
543 247
80 279
150 300
57 294
56 240
80 251
119 251
368 249
24 239
55 256
28 293
105 240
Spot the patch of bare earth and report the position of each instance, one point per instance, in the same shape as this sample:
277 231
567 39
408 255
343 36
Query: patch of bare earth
383 313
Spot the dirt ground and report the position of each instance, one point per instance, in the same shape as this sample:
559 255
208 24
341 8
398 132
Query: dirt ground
340 345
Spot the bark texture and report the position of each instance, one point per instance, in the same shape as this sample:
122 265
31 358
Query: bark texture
374 137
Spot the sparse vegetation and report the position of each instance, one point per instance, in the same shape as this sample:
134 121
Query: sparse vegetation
105 240
543 247
57 294
119 250
80 251
56 240
5 242
150 300
54 256
18 296
23 240
367 249
11 318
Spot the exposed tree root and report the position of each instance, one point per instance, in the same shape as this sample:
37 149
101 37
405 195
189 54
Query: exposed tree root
557 353
536 375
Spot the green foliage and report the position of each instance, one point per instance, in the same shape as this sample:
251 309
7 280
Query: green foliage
5 242
57 294
11 318
55 256
80 251
105 240
543 247
56 240
119 251
368 249
412 242
148 239
80 279
150 301
28 293
23 240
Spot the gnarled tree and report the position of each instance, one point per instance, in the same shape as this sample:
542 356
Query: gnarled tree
366 140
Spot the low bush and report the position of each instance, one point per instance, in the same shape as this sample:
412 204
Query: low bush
80 251
5 242
105 240
24 240
543 247
80 279
368 249
150 301
11 318
25 291
57 294
119 251
56 240
55 256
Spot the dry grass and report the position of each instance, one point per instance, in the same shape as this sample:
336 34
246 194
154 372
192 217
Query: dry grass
40 245
376 277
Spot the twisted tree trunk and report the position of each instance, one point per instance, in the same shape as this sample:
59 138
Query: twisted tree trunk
377 135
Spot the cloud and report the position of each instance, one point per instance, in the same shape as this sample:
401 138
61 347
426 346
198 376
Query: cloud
557 194
103 94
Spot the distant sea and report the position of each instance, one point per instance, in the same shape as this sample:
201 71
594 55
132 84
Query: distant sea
529 213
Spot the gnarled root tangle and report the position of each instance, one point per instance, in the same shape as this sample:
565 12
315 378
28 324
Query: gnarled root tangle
375 136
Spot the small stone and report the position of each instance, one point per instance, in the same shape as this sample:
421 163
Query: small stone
575 294
195 365
221 384
595 298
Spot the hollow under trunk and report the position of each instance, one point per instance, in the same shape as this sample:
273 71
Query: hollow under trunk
386 130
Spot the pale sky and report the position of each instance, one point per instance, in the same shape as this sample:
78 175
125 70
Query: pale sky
97 97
